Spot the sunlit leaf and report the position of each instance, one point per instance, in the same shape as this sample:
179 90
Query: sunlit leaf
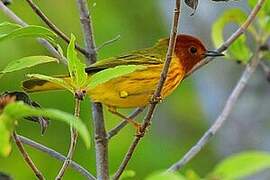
111 73
241 165
239 50
20 110
27 62
75 66
28 31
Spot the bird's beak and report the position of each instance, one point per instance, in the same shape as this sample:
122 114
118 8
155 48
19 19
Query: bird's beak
212 54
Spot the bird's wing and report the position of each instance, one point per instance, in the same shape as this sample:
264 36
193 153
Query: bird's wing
154 55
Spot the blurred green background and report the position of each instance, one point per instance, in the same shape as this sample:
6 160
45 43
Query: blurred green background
179 121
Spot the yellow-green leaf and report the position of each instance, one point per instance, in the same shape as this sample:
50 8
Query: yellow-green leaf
241 165
27 62
75 66
111 73
20 110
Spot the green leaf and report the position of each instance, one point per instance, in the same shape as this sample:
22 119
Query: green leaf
241 165
27 62
239 50
111 73
7 27
165 176
28 31
59 81
75 66
6 129
20 110
230 16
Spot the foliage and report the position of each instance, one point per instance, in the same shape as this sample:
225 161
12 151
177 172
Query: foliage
240 50
17 111
9 31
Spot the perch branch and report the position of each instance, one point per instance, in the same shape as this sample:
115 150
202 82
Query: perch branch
157 95
101 142
56 155
9 13
53 27
228 108
26 157
73 140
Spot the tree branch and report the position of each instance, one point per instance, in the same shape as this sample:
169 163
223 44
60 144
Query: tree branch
157 95
101 142
26 157
9 13
122 124
223 116
242 29
56 155
73 140
50 24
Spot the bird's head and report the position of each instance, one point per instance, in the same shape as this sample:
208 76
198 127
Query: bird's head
190 50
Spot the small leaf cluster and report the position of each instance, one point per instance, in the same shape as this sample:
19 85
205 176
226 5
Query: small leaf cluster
259 31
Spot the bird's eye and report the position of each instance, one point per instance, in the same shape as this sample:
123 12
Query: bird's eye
193 50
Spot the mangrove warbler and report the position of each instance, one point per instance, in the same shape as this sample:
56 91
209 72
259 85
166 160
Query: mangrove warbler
135 89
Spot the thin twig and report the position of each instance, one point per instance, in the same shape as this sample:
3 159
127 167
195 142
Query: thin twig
26 157
101 142
56 155
50 24
228 108
122 124
73 140
116 38
9 13
242 29
157 94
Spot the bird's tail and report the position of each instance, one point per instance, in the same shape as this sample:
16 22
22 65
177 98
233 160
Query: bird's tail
38 85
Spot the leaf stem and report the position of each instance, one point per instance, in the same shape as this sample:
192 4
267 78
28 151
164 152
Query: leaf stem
26 157
73 142
157 94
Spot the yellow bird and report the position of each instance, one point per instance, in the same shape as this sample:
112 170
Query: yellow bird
136 89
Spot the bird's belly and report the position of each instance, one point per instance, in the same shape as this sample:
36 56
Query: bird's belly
135 89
